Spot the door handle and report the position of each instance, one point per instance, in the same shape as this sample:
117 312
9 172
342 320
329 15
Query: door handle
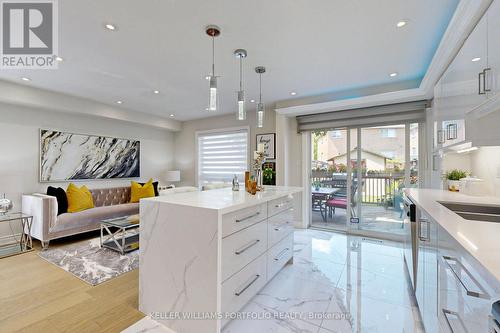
485 86
252 244
479 294
248 217
242 290
480 75
447 313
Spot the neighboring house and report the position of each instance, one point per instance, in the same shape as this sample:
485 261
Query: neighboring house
369 159
383 140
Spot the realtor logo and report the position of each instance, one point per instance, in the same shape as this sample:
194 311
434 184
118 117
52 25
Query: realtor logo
29 34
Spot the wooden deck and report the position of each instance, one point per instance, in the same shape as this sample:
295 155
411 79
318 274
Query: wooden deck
374 218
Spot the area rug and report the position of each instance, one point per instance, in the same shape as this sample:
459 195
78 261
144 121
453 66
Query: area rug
88 262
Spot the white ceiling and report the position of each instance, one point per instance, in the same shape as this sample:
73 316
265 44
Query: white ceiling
310 46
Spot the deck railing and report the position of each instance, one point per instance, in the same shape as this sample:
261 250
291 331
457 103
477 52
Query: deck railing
378 188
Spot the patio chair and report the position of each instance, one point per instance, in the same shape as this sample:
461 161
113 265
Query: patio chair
341 202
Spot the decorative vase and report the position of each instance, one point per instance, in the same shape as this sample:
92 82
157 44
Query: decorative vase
258 178
454 185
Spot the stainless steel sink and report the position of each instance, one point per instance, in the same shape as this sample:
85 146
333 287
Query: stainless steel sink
474 212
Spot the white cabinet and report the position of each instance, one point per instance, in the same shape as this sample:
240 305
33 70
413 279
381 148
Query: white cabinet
427 282
470 84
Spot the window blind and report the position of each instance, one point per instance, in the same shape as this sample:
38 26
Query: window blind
222 155
369 116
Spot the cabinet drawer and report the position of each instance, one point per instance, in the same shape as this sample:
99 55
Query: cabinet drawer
279 255
241 287
280 226
240 219
242 247
278 205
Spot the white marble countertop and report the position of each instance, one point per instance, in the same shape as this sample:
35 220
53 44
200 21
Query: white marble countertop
225 200
480 239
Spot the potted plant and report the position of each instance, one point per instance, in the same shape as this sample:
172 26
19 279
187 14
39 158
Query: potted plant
316 184
268 174
453 178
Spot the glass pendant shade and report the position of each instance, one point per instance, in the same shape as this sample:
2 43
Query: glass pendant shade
260 115
242 113
212 106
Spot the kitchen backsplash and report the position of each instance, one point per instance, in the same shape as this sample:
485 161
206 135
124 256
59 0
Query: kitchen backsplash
483 163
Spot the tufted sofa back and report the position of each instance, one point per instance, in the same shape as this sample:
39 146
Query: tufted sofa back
110 196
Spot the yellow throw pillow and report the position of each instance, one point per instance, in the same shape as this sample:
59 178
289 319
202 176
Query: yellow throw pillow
79 198
138 192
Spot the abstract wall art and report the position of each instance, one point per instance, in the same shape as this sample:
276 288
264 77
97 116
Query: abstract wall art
68 156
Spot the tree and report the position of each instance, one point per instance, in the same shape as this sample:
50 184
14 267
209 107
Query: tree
316 136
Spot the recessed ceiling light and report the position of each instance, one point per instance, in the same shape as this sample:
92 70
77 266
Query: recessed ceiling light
60 59
293 93
252 101
156 92
476 59
119 102
27 79
171 115
401 24
110 26
207 77
393 74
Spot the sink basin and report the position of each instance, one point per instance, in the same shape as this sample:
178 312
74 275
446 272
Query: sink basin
474 212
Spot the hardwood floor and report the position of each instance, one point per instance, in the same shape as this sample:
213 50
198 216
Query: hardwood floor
36 296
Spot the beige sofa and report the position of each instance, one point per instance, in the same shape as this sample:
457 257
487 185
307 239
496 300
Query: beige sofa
108 202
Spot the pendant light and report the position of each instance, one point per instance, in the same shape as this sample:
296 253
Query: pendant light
260 106
242 113
212 31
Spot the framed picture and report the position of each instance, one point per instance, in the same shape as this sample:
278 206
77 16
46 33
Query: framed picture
269 141
69 156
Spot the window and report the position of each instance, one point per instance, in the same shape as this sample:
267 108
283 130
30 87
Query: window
336 134
388 132
389 153
221 155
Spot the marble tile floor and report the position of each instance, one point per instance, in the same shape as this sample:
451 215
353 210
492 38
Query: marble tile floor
337 283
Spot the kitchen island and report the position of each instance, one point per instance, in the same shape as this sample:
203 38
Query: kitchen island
204 255
458 267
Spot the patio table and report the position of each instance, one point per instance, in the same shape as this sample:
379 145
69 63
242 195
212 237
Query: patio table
320 196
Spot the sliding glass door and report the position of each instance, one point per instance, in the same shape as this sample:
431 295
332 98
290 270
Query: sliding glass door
358 176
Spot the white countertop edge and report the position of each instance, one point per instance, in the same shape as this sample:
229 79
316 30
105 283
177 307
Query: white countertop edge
225 200
480 239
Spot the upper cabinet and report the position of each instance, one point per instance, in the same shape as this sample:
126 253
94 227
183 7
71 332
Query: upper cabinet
470 85
492 76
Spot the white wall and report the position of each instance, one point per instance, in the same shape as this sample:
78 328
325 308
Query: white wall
185 140
19 148
486 165
289 146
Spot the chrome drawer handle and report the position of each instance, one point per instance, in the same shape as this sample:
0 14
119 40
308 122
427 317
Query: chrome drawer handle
281 254
255 242
479 294
282 204
248 217
278 228
242 290
447 313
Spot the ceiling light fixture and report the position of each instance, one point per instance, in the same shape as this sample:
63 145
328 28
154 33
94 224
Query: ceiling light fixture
119 102
213 31
476 59
110 26
171 115
293 93
252 101
242 113
59 59
260 106
401 24
27 79
393 74
156 92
